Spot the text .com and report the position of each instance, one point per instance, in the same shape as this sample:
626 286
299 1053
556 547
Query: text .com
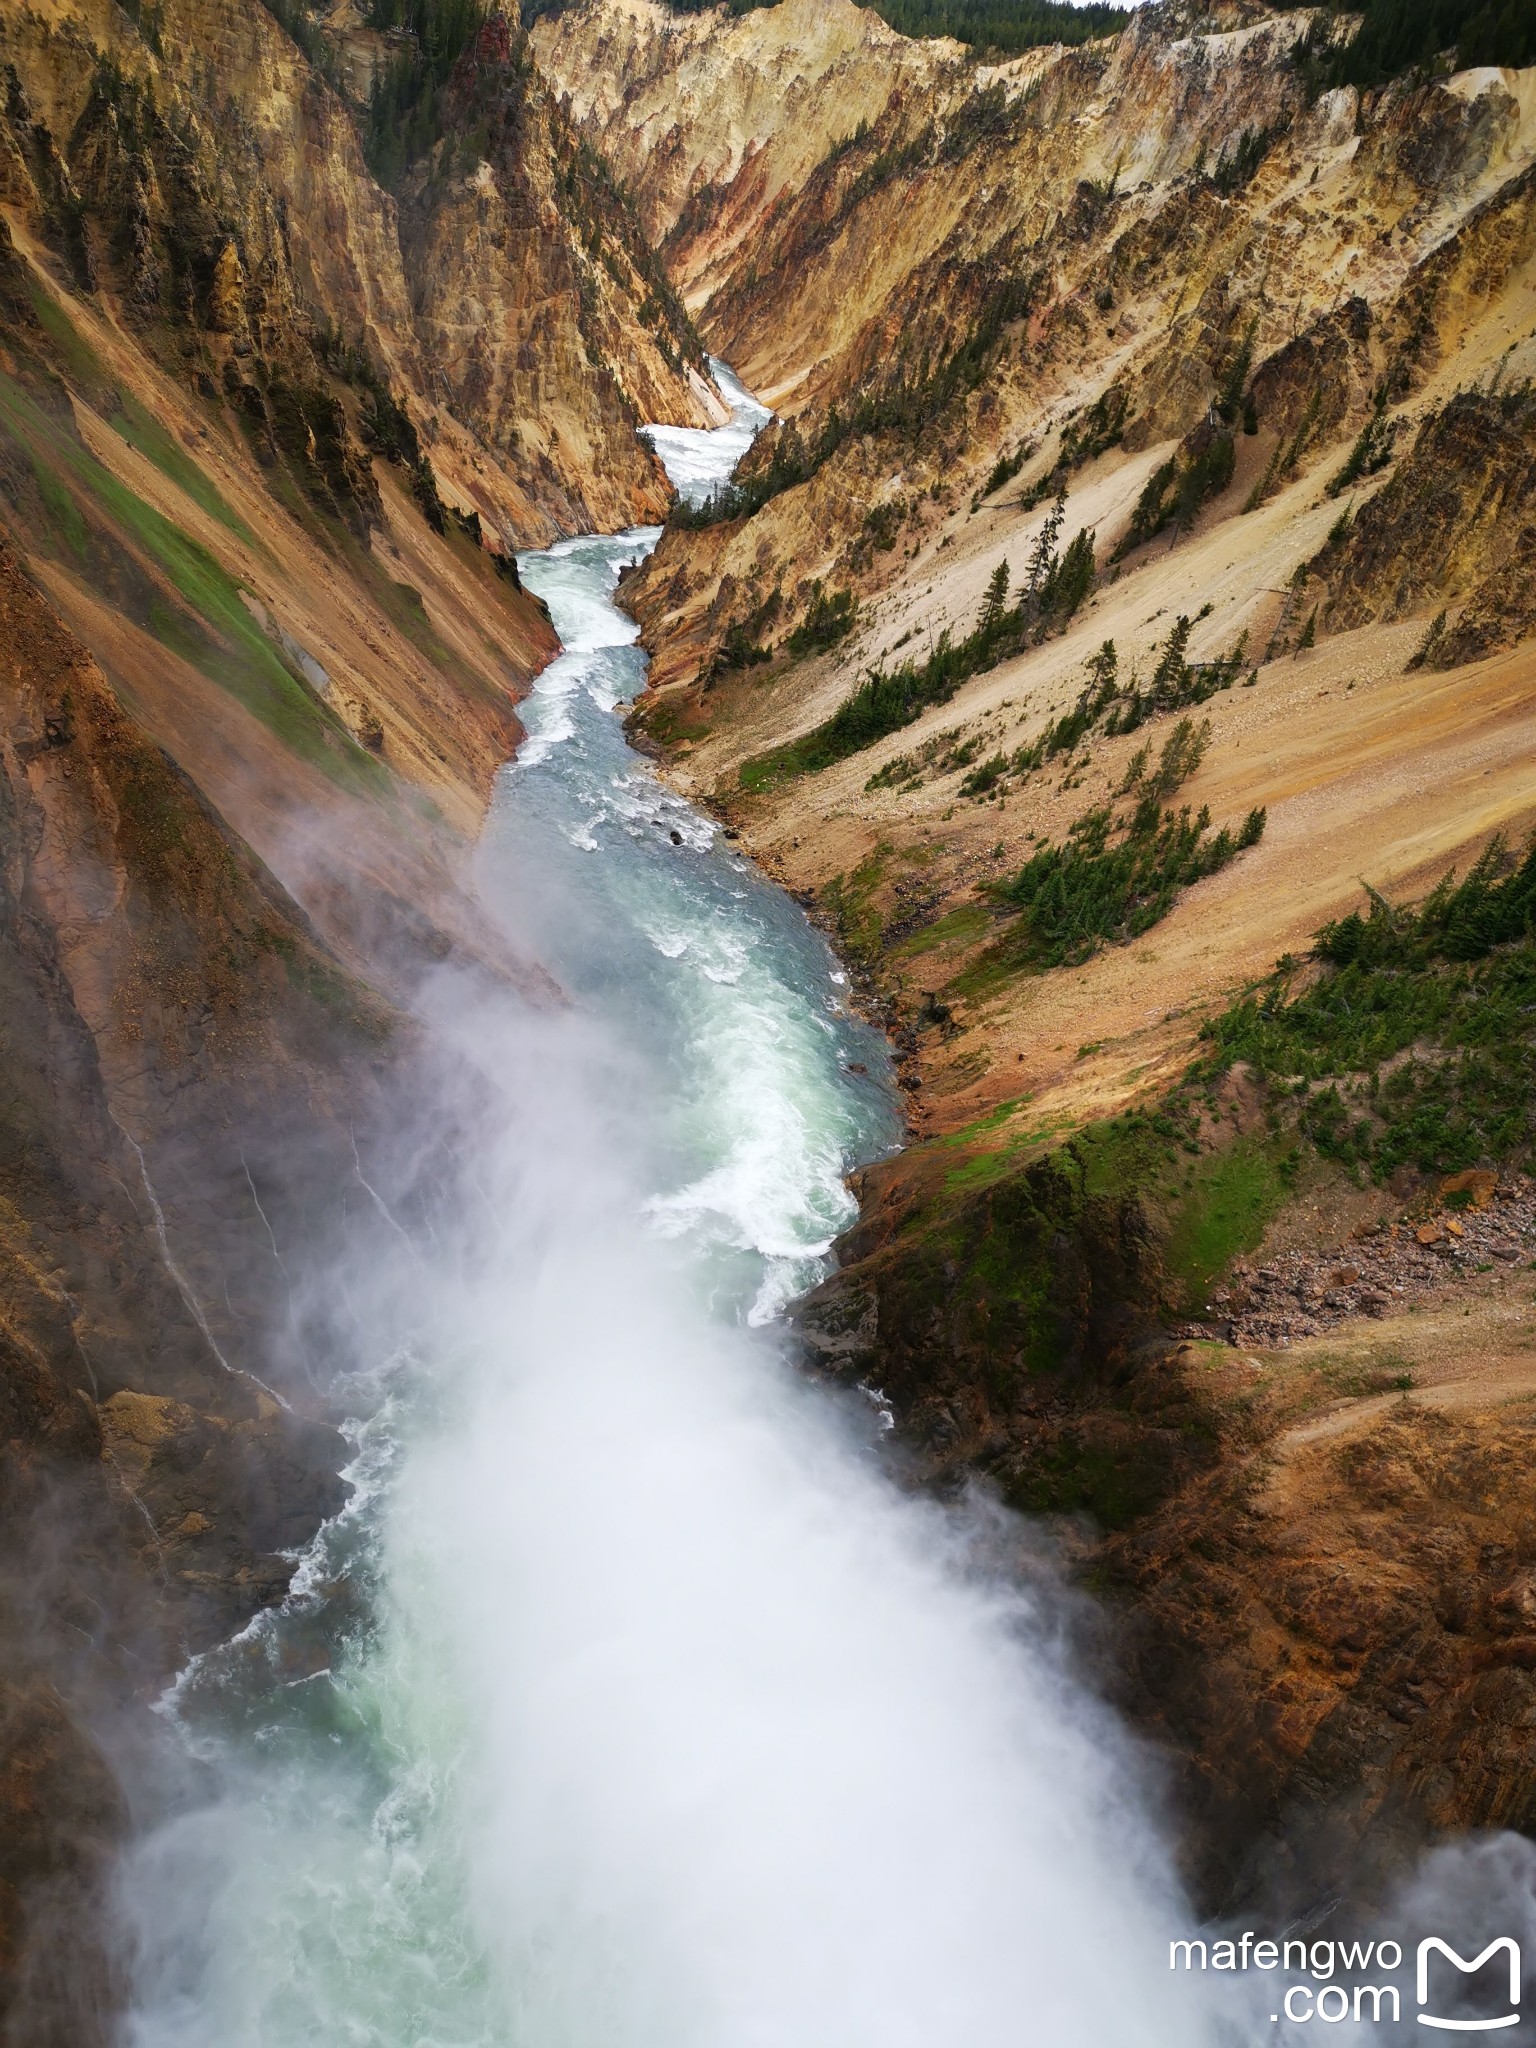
1444 1981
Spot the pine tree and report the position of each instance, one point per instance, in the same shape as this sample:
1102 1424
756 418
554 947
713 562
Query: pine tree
1103 667
1172 671
1070 579
1042 559
996 600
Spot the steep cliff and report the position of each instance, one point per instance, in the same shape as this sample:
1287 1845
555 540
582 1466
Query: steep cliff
549 324
713 121
183 1067
1225 324
199 168
269 434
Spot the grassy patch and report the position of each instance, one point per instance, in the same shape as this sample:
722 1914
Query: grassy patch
76 353
851 901
1115 1482
1416 1046
985 1125
401 602
1231 1197
145 433
997 1162
234 653
65 520
960 927
674 718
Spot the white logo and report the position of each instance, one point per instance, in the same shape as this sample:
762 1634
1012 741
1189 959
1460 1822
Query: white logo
1508 2019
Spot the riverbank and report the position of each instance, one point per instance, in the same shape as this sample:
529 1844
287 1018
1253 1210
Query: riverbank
1033 1282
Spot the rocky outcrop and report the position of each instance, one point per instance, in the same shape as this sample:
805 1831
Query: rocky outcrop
1455 526
551 328
216 185
712 120
1318 1582
1335 1637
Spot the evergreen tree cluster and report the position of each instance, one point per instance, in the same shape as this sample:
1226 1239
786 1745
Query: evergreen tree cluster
1395 36
1007 26
1177 488
1398 36
1112 880
404 118
1416 1045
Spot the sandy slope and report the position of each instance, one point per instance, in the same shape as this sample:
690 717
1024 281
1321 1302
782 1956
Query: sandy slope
1367 771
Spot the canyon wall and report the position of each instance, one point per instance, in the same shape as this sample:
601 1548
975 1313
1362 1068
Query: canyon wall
274 418
1265 345
282 392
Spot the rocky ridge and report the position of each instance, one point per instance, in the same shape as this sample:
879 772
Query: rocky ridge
1391 1266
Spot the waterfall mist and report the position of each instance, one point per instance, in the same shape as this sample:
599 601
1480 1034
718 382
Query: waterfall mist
629 1703
649 1713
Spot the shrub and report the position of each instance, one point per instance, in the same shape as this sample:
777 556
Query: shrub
1416 1044
830 617
1110 881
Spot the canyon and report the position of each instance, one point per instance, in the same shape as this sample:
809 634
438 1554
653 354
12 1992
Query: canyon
291 371
1019 299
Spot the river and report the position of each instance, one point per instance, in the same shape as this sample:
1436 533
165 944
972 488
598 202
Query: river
629 1704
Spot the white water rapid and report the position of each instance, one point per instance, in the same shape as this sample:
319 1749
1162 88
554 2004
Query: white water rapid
629 1704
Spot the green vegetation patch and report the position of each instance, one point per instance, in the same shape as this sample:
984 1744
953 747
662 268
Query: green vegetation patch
1221 1214
404 117
1098 888
1176 490
1416 1045
1396 36
145 433
830 617
234 653
66 523
74 351
851 901
959 927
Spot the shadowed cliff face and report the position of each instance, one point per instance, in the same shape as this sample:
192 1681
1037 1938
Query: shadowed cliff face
268 437
182 1067
549 324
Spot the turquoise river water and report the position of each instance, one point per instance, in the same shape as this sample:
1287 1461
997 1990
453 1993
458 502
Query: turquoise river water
629 1703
